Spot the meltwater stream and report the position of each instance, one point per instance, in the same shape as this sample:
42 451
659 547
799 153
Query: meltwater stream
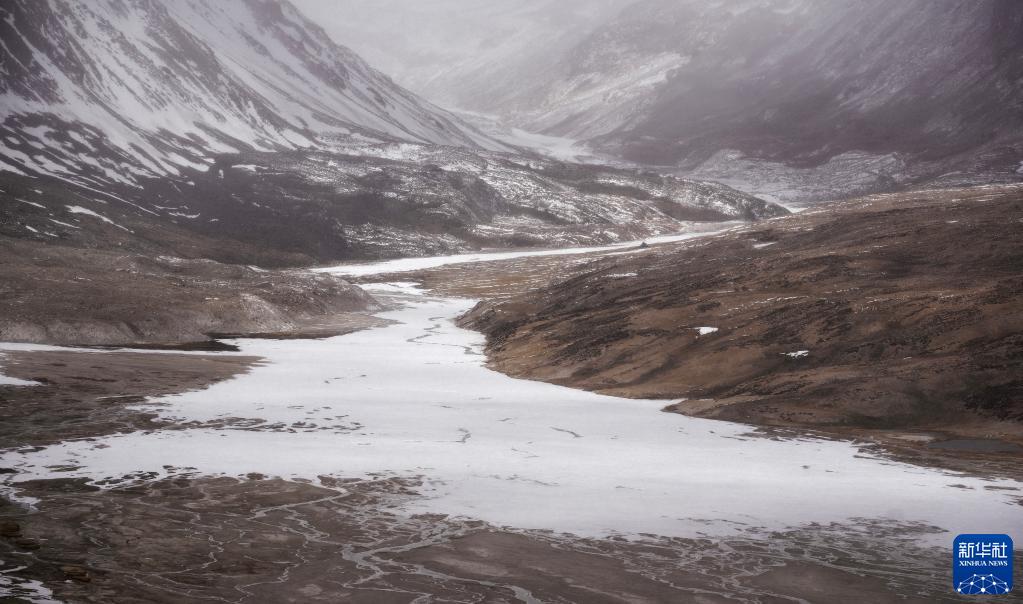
414 399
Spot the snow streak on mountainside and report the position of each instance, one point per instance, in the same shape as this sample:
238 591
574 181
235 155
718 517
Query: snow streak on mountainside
124 88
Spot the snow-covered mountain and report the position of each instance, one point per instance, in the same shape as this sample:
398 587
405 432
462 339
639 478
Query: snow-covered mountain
464 54
118 89
898 92
800 99
236 130
675 81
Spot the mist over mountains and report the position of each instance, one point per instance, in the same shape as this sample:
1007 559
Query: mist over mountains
792 100
863 94
239 131
593 301
467 55
244 121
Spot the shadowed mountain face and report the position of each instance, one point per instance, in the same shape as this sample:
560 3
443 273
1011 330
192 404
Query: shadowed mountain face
373 201
798 81
119 89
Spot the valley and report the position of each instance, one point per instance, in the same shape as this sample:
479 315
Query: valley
538 301
764 324
398 489
173 261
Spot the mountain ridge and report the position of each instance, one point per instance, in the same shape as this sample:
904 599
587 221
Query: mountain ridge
116 90
796 100
868 95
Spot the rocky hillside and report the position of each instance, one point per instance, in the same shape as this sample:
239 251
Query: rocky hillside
410 200
239 131
112 91
82 266
890 311
157 158
372 201
55 294
174 260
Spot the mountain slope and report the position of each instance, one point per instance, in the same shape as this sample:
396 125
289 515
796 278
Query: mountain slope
804 81
117 90
178 259
235 130
394 200
365 201
899 310
871 94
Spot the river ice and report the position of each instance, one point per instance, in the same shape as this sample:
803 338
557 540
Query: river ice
414 399
404 265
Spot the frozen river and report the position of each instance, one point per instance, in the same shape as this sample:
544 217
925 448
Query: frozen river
404 265
414 399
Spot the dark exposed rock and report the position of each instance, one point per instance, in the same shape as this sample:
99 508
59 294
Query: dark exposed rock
76 573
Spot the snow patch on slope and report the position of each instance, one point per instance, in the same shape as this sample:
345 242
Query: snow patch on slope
88 212
122 90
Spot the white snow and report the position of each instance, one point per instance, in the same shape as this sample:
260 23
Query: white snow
11 381
705 331
284 68
88 212
31 203
589 104
558 147
414 399
404 265
799 354
30 591
65 224
4 166
760 246
394 287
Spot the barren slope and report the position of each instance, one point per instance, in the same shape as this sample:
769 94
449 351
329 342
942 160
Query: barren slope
892 311
56 294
